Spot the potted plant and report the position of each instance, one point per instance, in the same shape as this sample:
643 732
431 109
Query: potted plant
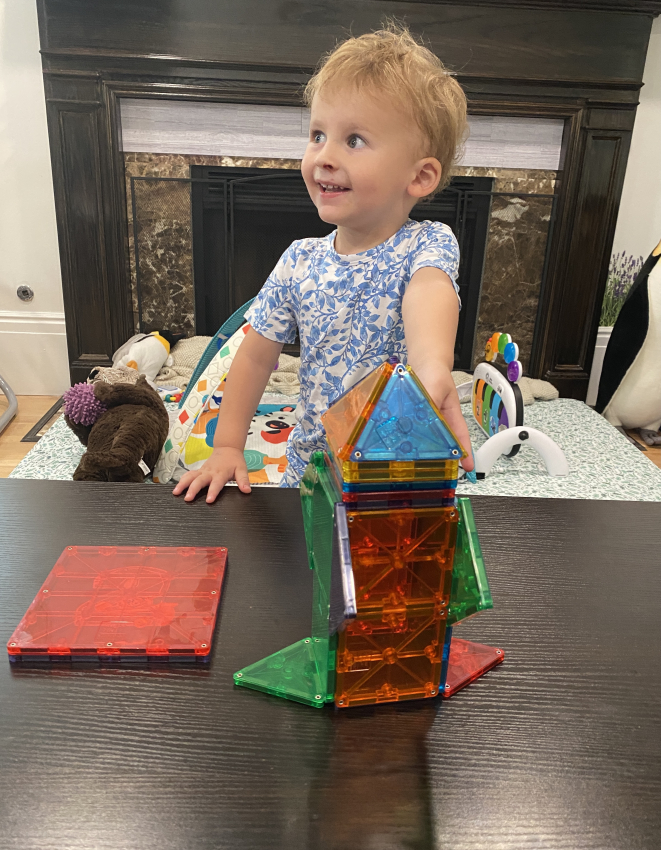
622 272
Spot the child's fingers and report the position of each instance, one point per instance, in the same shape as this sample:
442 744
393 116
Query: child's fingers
183 482
454 418
461 430
201 481
468 463
242 480
213 477
464 438
216 485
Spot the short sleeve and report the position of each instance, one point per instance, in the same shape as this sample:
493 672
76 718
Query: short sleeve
273 313
436 247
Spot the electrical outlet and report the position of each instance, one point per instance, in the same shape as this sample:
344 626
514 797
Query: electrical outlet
25 293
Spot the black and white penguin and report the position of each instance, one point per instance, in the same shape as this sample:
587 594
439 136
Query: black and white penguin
630 386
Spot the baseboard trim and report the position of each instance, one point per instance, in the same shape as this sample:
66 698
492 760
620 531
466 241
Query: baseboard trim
18 322
33 352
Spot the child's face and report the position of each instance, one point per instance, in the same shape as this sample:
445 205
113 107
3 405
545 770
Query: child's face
362 163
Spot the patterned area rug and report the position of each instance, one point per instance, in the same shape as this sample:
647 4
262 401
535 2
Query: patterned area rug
602 462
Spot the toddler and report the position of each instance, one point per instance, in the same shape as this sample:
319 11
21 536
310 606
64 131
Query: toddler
386 121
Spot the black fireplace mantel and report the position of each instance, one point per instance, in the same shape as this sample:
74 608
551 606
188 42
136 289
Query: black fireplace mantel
580 61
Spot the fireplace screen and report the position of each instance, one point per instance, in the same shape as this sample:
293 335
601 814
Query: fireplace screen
204 245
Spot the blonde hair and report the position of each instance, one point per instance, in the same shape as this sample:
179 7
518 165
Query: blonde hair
390 61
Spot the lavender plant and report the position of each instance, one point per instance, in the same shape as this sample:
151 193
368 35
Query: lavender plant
622 272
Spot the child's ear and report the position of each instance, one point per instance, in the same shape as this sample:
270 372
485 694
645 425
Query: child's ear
427 177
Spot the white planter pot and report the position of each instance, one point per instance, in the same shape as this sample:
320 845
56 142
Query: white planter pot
603 335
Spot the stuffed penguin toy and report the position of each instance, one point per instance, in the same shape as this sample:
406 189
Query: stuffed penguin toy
630 386
146 353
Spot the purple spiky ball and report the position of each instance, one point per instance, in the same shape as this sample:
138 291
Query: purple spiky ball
81 405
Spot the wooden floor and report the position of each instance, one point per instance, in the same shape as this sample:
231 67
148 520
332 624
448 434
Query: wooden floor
32 407
30 410
653 452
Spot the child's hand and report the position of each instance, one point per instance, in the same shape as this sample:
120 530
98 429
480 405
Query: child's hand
431 312
450 407
440 386
246 379
225 464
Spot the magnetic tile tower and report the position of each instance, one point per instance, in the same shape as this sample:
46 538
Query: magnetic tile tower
395 557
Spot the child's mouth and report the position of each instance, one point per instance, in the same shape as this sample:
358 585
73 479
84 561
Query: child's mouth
332 189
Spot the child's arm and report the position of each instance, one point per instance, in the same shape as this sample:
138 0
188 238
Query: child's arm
249 373
430 310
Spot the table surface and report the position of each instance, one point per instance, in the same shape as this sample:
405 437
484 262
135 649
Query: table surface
558 747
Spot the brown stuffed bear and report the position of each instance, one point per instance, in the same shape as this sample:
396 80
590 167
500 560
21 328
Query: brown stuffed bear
131 430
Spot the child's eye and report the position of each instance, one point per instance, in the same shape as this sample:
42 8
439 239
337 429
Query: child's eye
356 142
317 137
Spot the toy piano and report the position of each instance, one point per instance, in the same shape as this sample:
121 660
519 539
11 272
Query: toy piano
498 410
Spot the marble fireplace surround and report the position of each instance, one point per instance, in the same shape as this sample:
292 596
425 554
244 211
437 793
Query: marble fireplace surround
515 250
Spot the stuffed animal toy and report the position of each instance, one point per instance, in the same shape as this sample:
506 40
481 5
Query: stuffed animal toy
123 426
630 385
146 353
110 375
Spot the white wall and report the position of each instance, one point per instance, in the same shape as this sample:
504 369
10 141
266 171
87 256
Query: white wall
639 221
33 352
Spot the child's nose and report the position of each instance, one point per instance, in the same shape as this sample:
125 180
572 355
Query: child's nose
326 157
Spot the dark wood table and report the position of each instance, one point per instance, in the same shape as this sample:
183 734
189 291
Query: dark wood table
559 747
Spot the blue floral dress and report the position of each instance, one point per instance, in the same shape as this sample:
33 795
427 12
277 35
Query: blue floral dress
348 311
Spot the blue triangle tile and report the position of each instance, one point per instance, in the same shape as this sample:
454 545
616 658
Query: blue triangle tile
404 426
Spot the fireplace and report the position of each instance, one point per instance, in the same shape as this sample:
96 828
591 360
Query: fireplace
226 227
202 245
575 62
